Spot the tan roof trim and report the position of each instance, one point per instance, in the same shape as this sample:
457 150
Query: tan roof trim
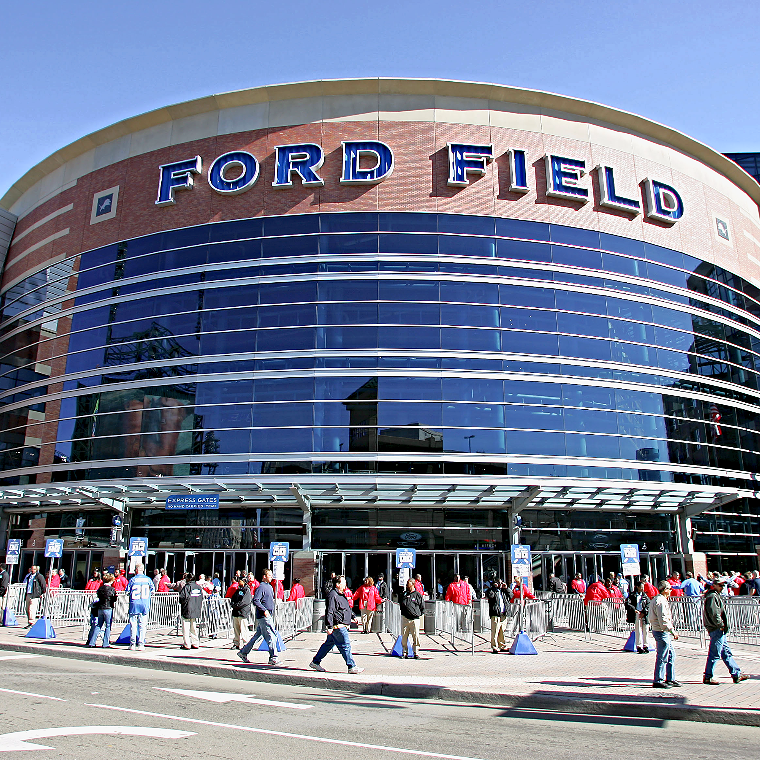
329 87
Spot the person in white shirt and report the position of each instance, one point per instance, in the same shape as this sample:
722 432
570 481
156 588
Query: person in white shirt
661 622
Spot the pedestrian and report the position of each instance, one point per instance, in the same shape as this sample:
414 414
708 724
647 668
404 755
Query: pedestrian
613 592
459 593
691 586
216 582
556 585
164 583
191 607
95 582
205 584
382 586
232 590
715 620
519 586
412 607
661 621
623 585
278 588
263 602
418 584
297 592
35 587
241 602
253 584
329 584
63 579
120 582
5 580
53 580
473 592
140 590
675 583
337 621
637 609
103 608
649 589
156 578
368 599
498 607
578 585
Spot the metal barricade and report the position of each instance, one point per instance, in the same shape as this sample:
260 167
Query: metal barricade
564 611
66 606
485 617
392 618
216 618
743 615
16 595
290 618
456 621
686 612
535 618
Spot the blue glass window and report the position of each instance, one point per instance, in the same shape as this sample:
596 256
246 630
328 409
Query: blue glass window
409 337
347 313
576 257
592 420
517 228
520 392
238 230
568 300
408 222
472 389
293 314
535 443
409 313
348 290
574 236
582 324
240 250
282 415
284 389
411 244
290 246
469 292
461 339
475 442
523 251
519 295
351 222
466 225
602 446
342 388
408 413
459 245
346 337
588 396
348 244
290 292
290 339
408 290
468 315
301 224
529 343
283 440
585 348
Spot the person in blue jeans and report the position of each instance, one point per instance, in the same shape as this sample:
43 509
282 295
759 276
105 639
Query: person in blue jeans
661 622
103 607
140 591
337 621
263 603
716 622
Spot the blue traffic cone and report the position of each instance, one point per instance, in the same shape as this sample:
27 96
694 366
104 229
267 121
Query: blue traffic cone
41 630
280 644
125 635
522 645
398 650
630 645
9 619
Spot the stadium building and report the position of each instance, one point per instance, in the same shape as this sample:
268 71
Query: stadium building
381 313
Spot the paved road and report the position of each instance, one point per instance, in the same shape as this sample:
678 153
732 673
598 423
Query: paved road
173 715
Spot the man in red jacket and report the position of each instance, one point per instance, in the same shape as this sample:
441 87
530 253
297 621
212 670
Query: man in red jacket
120 582
649 589
675 584
368 598
458 591
596 592
578 585
516 586
164 584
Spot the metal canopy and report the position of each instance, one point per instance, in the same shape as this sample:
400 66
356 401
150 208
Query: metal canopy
414 491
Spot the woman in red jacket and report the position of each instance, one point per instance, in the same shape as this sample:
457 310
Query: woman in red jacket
94 583
297 592
368 598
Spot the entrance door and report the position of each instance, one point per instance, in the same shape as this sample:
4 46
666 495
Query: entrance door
444 569
330 562
355 569
424 567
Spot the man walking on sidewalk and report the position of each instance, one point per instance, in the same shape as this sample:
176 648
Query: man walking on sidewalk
263 601
337 620
715 620
241 602
661 621
412 609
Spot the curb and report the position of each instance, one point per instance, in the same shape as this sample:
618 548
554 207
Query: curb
650 709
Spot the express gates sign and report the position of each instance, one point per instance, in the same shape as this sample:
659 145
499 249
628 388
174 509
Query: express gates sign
368 162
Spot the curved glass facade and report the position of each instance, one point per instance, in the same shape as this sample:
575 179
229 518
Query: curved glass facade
383 343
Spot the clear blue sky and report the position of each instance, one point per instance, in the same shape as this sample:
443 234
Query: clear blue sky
71 68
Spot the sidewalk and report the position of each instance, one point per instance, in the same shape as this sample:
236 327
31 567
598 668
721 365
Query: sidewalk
568 675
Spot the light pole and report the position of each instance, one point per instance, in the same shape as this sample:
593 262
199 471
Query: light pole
469 438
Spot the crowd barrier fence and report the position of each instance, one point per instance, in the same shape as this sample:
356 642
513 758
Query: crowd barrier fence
392 618
455 621
291 618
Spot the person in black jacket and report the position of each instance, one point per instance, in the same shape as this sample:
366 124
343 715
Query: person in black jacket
5 580
337 620
636 611
498 607
36 586
241 610
191 607
412 609
103 608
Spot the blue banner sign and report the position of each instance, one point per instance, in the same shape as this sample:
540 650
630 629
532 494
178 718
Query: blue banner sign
54 547
279 551
629 553
13 551
138 547
193 501
521 560
406 558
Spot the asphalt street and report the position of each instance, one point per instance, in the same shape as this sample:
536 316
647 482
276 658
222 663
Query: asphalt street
84 710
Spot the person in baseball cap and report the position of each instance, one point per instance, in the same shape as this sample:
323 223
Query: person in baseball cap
715 620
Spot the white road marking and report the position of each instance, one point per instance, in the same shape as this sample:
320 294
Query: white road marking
222 697
32 694
19 739
287 735
18 656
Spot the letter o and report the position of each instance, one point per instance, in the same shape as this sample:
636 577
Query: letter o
236 158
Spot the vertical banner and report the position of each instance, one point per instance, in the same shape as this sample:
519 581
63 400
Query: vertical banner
629 553
406 558
13 551
54 548
521 561
278 556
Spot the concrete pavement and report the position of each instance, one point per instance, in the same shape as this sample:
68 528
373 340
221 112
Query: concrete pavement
568 674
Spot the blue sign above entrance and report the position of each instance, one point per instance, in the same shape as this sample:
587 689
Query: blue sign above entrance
193 501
